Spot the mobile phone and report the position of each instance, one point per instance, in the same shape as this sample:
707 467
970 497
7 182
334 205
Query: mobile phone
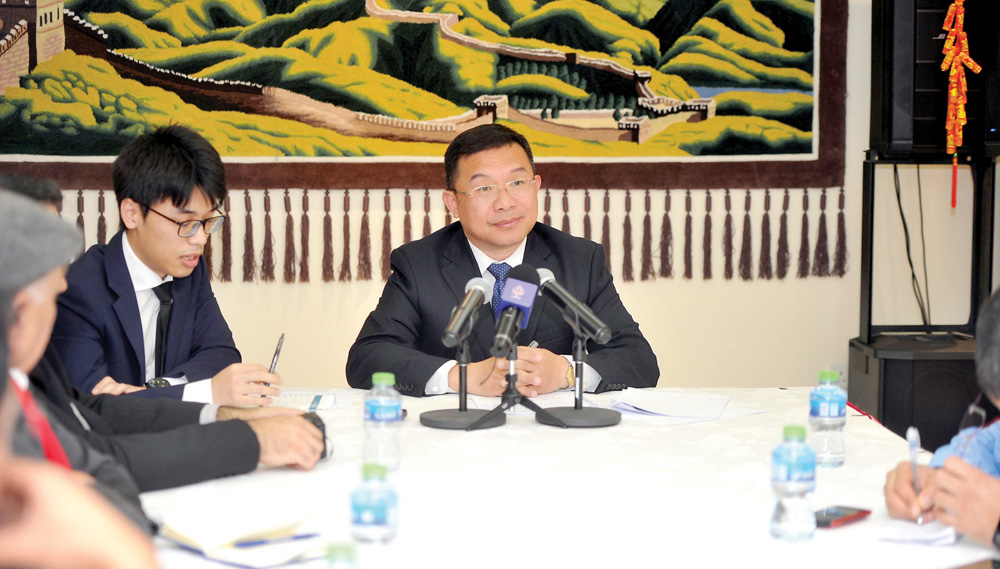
836 516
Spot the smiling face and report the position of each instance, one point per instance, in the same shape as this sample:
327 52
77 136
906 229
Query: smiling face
496 224
155 240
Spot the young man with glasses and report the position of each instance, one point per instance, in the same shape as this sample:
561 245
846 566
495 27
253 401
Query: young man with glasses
961 485
140 312
492 190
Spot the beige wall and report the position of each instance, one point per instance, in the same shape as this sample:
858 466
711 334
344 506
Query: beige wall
705 333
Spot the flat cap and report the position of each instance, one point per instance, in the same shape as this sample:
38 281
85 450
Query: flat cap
33 241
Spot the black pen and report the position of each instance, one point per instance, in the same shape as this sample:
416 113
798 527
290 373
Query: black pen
274 360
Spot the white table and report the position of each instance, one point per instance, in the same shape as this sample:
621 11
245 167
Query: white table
639 494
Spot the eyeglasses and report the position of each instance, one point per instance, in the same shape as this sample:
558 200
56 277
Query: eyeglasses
516 188
191 226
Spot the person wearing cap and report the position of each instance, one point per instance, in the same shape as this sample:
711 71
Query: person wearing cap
37 246
492 189
170 184
49 518
164 442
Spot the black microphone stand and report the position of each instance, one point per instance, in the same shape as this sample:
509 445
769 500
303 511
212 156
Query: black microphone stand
462 417
578 415
511 397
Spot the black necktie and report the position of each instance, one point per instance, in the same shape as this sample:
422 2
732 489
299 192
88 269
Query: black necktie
162 292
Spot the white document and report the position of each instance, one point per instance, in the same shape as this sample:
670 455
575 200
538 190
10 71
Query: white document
700 406
931 533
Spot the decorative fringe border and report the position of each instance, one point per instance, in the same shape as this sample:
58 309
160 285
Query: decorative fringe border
814 259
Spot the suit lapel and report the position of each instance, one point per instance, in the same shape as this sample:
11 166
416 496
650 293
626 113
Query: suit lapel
126 306
535 254
460 266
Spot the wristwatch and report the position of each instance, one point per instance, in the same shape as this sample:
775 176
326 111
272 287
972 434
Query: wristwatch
157 382
571 376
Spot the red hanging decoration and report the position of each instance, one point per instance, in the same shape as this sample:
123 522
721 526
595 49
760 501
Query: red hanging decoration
956 59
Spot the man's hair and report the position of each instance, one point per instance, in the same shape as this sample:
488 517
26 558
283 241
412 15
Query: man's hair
988 346
169 163
478 139
45 191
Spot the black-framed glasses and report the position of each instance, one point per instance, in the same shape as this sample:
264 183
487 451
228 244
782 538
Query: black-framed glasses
191 226
517 188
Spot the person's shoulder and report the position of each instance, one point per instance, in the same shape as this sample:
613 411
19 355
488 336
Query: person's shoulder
432 243
561 239
87 267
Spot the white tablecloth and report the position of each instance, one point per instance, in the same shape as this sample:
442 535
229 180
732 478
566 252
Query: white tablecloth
639 494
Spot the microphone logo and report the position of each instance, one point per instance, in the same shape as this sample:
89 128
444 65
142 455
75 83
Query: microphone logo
517 293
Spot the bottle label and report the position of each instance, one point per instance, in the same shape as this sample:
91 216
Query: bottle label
385 411
823 407
372 514
795 471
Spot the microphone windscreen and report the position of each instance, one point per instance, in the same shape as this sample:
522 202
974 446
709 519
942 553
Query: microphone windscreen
520 290
482 286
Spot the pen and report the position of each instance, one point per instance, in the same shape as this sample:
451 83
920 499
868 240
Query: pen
913 438
274 360
259 542
277 352
533 344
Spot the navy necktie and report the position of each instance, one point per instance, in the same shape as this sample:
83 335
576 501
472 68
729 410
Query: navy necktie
498 270
162 293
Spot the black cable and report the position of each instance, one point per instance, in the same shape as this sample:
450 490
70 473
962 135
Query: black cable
909 256
923 247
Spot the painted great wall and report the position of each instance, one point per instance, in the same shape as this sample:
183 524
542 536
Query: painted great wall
44 28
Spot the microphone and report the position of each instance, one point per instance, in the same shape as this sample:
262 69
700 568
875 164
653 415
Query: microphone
577 314
515 307
475 295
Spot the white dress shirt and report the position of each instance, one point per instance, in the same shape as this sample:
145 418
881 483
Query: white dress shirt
144 280
438 383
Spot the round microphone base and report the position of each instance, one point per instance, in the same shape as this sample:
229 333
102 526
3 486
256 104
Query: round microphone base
459 420
586 417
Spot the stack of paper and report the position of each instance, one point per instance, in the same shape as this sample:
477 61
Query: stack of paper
309 399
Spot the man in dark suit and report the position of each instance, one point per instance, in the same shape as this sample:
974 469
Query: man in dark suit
163 442
169 184
492 189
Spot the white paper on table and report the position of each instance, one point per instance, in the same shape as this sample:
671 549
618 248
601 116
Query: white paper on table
700 406
931 533
310 399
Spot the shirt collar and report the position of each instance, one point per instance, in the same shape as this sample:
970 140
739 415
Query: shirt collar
20 378
143 278
484 261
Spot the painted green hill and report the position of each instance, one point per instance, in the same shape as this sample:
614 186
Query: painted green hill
124 31
581 25
71 95
193 20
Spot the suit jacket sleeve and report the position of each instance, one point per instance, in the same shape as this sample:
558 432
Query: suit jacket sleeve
626 360
391 339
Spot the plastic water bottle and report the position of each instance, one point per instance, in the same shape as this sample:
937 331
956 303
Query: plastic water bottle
374 507
827 417
793 478
383 417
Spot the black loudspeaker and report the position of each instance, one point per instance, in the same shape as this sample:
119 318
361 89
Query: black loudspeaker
909 90
927 381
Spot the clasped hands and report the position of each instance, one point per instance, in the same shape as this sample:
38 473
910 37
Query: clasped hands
538 370
958 495
237 384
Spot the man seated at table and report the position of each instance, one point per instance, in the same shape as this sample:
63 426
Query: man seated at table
961 485
162 442
49 516
492 189
140 311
